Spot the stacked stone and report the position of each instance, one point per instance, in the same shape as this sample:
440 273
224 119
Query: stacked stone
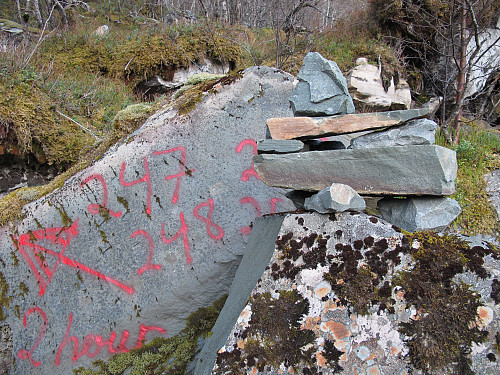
394 157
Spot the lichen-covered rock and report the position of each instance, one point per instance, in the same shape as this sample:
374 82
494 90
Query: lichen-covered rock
348 293
322 89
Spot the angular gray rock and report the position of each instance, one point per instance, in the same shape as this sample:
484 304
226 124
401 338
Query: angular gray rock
405 170
322 89
336 198
126 249
419 213
280 146
416 132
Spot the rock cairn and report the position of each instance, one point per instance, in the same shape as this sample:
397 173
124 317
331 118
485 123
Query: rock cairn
394 158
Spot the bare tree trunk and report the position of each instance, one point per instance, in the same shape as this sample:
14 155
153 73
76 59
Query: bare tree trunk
19 15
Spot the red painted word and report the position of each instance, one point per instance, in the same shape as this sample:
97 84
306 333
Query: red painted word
92 344
245 176
59 237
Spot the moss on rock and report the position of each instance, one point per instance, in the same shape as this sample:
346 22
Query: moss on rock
162 355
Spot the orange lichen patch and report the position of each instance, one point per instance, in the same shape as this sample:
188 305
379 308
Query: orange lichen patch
338 329
291 370
322 291
484 316
320 360
372 356
373 370
254 370
329 305
394 351
311 323
401 294
241 344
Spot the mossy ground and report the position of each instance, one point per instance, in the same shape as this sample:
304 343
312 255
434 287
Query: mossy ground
162 355
478 152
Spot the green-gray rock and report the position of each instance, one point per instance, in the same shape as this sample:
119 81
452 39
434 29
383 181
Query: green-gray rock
406 170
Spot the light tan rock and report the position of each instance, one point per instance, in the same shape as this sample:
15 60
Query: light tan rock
307 127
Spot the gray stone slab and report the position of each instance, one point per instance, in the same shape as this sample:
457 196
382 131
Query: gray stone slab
258 252
145 236
308 127
280 146
419 213
416 132
322 89
406 170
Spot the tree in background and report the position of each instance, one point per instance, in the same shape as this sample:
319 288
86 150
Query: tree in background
440 40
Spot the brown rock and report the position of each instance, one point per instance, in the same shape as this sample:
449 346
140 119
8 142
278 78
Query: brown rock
307 127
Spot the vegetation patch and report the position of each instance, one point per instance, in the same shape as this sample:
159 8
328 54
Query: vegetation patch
162 355
478 152
274 338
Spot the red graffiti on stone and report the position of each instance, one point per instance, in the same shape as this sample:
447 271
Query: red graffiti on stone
253 202
245 176
148 266
92 344
183 170
23 353
38 256
146 178
95 208
182 231
208 220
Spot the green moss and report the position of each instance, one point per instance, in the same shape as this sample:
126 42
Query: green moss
31 118
4 297
274 336
130 118
162 355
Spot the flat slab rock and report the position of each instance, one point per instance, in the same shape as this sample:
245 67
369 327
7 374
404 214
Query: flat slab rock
406 170
308 127
297 317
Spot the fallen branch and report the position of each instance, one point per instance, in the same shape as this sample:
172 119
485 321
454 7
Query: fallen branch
80 125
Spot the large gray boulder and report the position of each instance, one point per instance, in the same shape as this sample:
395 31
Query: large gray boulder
126 249
350 294
416 132
322 89
406 170
419 213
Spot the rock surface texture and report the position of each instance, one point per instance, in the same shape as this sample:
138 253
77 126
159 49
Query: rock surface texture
129 247
416 132
322 89
343 294
336 198
406 170
307 127
419 213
